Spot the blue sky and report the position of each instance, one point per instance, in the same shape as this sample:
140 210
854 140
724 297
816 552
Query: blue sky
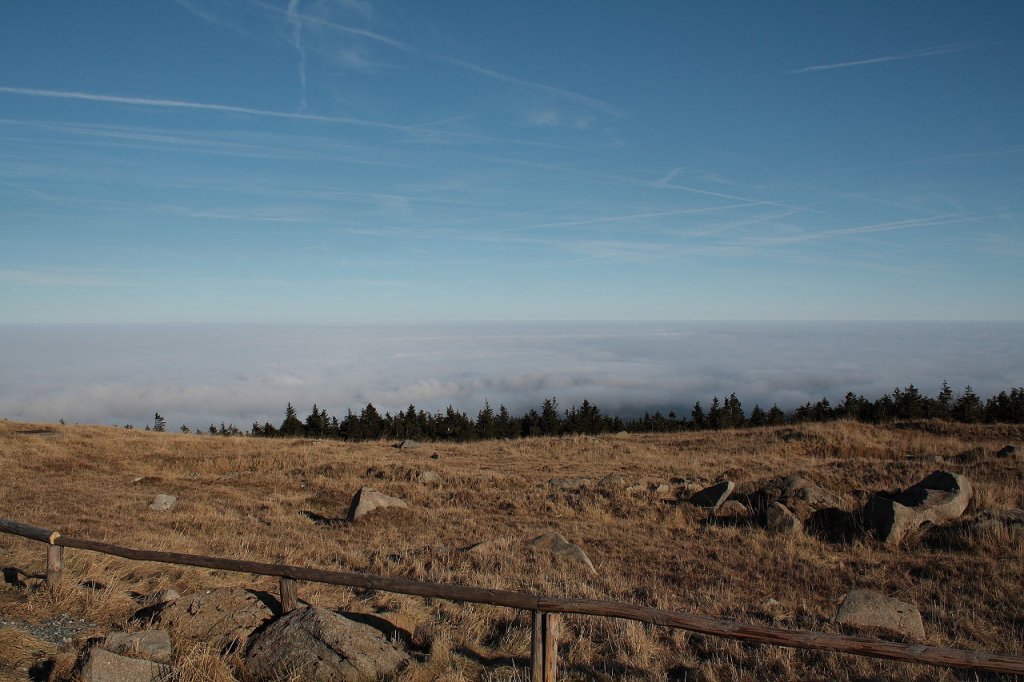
357 161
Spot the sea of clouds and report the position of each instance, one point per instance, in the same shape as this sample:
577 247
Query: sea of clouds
198 374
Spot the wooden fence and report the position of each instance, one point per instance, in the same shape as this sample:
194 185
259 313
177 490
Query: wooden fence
545 610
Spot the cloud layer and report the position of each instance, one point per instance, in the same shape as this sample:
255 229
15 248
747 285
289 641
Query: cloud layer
197 374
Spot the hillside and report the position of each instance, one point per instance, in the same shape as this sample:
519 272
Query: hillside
286 500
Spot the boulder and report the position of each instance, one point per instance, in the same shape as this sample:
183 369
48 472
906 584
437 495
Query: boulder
104 666
778 519
870 609
558 547
163 503
154 645
835 525
224 617
407 444
713 497
940 497
315 644
367 499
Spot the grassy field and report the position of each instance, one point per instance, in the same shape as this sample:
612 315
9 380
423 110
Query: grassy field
285 501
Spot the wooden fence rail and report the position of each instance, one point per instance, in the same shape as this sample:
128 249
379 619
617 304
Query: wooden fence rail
545 610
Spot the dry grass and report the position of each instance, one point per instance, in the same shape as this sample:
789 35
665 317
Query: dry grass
256 499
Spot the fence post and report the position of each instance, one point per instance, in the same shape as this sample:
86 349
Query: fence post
551 627
54 564
544 647
289 595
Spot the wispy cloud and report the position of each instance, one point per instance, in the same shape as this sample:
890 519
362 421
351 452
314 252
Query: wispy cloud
296 21
585 100
915 54
55 278
205 106
208 16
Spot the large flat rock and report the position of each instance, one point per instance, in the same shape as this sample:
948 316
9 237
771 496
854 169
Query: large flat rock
368 499
870 609
315 644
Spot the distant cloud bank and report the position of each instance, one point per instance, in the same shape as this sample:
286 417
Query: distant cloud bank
197 374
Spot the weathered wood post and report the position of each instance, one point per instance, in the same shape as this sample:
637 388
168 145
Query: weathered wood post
544 647
289 595
537 648
54 564
551 627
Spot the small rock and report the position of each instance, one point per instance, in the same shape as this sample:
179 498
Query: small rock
407 444
1008 451
807 492
612 481
732 509
713 497
103 666
972 455
488 546
163 503
367 499
780 520
555 544
662 491
569 483
867 608
163 596
154 645
429 478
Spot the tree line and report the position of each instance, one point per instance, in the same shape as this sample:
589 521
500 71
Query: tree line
587 418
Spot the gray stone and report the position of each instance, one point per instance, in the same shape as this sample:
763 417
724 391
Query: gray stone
367 500
429 478
732 509
569 483
940 497
315 644
163 596
612 481
407 444
223 618
488 546
998 520
163 503
973 455
799 489
779 519
662 491
713 497
558 547
154 645
870 609
104 666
